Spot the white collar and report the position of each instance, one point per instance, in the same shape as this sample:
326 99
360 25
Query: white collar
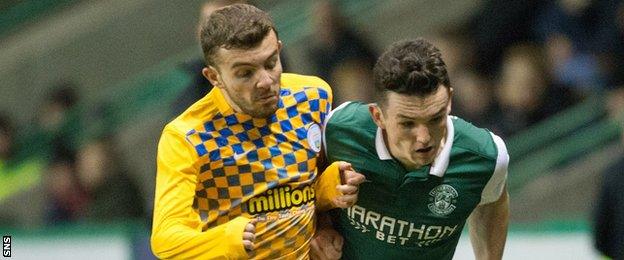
440 163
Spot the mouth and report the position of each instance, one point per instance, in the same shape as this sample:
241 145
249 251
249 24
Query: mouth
425 150
267 98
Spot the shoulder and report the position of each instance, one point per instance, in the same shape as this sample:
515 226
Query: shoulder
295 82
478 141
481 148
350 121
204 110
349 113
350 130
613 174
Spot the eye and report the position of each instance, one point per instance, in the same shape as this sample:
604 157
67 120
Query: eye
271 64
244 73
437 119
406 124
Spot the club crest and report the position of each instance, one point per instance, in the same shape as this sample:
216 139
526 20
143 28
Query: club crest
443 197
314 137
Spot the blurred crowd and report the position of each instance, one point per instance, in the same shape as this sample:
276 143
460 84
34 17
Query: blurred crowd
514 64
82 178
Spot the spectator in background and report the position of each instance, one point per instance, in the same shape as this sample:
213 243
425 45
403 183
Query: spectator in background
474 100
524 91
609 212
340 54
66 198
62 98
609 45
570 67
456 49
499 25
567 28
7 136
111 192
472 97
575 19
92 185
56 124
55 139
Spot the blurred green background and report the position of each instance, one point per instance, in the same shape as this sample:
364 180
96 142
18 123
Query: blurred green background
126 64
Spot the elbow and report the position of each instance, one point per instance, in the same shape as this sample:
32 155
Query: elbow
159 245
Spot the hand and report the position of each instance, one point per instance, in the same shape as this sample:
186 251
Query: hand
326 244
249 236
350 181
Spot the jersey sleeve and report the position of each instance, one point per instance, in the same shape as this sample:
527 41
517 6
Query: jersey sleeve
326 124
177 227
330 177
494 188
326 189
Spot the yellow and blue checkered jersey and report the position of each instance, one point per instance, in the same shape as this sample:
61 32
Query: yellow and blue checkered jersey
218 169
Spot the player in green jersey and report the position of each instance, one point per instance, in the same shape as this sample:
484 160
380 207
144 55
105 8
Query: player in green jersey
427 172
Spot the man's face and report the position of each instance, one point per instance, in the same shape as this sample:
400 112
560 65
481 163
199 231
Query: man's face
250 78
414 126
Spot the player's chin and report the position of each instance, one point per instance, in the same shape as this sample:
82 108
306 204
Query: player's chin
265 110
419 159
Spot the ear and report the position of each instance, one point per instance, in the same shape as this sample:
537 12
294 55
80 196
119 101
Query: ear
448 106
212 75
279 46
377 115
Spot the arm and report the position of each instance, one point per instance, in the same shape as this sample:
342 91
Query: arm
337 186
604 216
488 228
177 227
326 243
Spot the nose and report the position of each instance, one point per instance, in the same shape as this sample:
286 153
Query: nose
422 134
265 79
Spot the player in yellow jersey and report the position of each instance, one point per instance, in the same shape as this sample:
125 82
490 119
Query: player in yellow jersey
237 171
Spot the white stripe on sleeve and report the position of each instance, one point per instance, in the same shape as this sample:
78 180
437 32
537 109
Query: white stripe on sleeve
494 188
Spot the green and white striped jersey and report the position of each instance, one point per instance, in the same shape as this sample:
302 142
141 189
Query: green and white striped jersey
419 214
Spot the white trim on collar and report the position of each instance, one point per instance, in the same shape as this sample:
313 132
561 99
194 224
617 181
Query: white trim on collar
380 146
440 163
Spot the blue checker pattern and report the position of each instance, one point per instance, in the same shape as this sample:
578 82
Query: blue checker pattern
256 159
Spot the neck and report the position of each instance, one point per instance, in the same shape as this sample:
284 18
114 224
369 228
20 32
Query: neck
227 98
413 165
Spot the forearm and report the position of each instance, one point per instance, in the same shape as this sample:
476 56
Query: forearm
325 187
177 227
180 241
488 228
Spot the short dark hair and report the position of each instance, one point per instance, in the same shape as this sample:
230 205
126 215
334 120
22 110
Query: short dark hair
239 26
412 67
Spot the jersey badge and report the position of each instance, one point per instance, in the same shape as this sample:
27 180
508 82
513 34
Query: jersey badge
443 197
314 137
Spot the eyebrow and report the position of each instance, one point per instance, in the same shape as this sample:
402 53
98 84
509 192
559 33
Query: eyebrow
439 113
241 63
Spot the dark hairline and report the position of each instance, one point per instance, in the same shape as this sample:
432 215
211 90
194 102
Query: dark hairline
381 102
260 19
